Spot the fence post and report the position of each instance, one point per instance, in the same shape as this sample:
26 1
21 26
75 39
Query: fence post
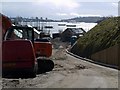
119 56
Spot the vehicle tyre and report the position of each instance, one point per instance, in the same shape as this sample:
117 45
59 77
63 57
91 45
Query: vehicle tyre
45 65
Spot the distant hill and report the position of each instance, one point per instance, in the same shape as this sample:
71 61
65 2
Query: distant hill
86 19
102 36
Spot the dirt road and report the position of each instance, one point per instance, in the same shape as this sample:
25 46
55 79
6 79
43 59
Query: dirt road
69 72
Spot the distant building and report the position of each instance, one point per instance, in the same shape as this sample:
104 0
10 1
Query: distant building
56 35
69 32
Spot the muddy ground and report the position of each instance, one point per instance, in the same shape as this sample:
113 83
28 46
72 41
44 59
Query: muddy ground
69 72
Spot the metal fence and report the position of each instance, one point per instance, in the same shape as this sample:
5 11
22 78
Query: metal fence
110 56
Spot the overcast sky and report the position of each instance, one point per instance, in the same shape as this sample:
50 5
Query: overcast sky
59 9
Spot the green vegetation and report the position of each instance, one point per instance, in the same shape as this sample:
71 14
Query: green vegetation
102 36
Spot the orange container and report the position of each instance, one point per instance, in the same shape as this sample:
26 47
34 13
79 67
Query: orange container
43 49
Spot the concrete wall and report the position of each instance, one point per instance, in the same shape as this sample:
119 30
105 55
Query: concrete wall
109 56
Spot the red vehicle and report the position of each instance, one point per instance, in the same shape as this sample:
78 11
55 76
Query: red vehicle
21 54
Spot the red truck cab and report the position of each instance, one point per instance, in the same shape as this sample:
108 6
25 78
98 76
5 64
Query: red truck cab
21 53
18 55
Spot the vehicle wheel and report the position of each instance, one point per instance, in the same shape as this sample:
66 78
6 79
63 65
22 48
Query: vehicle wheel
50 65
45 66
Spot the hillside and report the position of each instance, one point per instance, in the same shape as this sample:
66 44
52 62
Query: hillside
86 19
103 35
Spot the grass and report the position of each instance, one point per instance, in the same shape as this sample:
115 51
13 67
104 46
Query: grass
102 36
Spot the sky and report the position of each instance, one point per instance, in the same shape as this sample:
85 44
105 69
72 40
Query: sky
59 9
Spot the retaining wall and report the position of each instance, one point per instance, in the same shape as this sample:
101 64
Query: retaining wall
109 56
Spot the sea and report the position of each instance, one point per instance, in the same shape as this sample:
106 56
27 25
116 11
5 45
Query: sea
57 27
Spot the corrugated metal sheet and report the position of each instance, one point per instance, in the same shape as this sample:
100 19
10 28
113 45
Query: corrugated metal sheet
109 56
